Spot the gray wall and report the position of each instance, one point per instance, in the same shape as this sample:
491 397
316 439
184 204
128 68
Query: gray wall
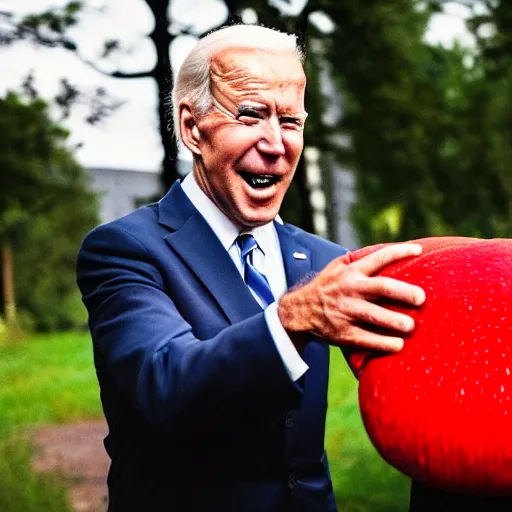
121 191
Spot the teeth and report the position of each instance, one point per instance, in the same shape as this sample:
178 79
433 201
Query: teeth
259 181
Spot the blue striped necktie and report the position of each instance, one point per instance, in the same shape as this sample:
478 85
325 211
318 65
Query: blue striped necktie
254 279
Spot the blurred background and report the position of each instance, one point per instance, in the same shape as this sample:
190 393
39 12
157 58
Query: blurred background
409 135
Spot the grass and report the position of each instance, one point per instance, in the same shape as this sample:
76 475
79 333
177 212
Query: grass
363 481
51 379
21 488
46 379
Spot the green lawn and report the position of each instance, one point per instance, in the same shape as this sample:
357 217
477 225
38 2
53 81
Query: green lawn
51 379
46 379
363 481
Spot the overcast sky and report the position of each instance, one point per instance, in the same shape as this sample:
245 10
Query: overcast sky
129 138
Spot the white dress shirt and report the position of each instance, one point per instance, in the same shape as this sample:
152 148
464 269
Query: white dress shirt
267 259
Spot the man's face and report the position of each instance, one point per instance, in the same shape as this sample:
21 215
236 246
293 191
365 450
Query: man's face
249 144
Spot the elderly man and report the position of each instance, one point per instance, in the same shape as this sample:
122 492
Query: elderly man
211 337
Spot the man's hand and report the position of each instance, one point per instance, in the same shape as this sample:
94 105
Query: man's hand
337 303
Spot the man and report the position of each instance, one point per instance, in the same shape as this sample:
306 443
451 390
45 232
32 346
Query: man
213 376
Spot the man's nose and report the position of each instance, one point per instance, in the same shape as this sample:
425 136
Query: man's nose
271 141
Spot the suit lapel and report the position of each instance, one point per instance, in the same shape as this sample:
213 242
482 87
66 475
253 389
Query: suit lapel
201 251
296 257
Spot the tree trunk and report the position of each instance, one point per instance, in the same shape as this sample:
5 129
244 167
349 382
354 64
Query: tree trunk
306 213
162 73
8 285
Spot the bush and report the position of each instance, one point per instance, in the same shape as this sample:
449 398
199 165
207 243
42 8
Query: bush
46 208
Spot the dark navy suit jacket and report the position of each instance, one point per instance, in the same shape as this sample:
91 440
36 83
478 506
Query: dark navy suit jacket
201 412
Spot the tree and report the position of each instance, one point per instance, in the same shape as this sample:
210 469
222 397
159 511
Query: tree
409 110
428 147
43 191
50 29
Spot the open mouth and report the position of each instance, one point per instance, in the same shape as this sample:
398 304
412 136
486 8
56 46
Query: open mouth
259 180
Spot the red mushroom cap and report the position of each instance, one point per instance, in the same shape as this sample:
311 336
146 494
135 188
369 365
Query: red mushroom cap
440 410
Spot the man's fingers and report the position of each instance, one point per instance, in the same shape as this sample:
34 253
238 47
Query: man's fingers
372 341
364 311
389 288
377 260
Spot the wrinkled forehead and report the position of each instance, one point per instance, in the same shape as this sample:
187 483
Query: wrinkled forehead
243 71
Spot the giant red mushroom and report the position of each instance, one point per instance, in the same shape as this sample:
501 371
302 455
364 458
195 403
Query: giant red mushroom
440 410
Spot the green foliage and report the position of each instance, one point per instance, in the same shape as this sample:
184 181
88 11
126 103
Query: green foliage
26 150
21 488
17 332
47 28
46 286
4 332
431 137
376 50
45 210
496 48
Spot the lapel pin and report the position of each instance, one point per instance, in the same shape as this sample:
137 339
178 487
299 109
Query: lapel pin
300 256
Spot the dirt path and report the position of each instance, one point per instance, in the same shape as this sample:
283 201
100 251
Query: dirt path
76 452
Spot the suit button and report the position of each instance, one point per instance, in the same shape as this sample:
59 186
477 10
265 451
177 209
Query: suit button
292 480
289 421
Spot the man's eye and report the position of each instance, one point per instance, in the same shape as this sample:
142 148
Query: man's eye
294 121
254 114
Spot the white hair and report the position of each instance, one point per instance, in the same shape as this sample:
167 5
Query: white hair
194 80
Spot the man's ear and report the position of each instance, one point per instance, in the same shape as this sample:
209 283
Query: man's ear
189 130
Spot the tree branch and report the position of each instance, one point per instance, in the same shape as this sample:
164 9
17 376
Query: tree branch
233 15
302 20
490 7
140 74
31 30
114 74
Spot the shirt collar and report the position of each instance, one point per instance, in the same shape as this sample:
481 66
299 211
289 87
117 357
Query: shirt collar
225 230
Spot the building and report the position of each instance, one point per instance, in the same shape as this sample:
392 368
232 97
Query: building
123 190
